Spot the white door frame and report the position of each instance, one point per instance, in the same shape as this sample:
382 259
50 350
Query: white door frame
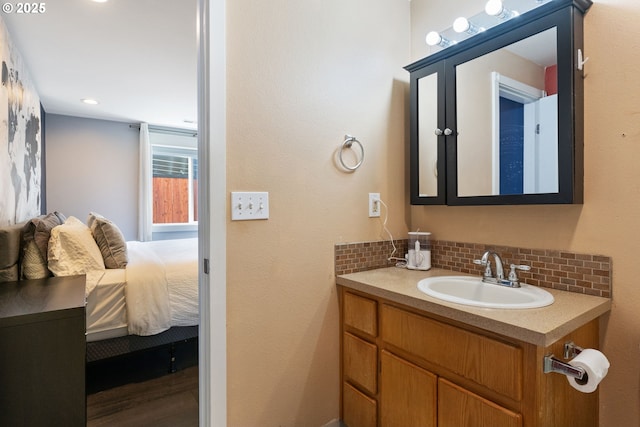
212 213
516 91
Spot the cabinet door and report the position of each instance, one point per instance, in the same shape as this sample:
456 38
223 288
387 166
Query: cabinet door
428 133
358 409
408 394
458 407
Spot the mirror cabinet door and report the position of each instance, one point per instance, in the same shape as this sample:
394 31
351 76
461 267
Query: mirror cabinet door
427 139
507 120
511 103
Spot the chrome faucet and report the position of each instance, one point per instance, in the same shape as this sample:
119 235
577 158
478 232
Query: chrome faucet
496 258
498 279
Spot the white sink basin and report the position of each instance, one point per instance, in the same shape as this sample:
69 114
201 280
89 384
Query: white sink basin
472 291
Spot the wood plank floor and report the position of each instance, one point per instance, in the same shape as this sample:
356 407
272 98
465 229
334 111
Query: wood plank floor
167 401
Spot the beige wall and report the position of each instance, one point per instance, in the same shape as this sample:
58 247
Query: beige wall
300 76
608 222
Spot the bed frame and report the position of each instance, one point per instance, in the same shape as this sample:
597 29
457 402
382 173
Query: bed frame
133 359
113 347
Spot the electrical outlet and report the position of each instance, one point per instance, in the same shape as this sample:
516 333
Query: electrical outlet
374 205
248 206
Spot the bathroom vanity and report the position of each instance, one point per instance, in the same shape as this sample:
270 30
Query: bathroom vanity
412 360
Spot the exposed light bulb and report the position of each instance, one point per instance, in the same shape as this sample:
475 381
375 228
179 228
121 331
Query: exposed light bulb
493 7
497 9
435 39
463 25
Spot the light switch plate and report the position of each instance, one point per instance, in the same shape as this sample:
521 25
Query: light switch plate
246 205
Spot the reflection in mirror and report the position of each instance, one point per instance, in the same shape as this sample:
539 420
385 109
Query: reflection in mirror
507 121
428 147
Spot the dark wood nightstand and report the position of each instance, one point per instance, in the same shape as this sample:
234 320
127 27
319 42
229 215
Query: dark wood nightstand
43 352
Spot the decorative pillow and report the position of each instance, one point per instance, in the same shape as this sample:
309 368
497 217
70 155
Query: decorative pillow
39 228
110 241
10 244
60 216
33 265
35 241
72 249
9 274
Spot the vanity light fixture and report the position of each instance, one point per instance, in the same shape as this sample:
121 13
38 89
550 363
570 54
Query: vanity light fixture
435 39
89 101
497 9
463 25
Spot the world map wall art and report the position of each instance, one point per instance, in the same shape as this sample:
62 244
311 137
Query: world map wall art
20 138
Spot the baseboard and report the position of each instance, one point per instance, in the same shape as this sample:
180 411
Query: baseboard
334 423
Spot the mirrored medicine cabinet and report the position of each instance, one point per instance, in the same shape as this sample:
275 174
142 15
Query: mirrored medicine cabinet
497 119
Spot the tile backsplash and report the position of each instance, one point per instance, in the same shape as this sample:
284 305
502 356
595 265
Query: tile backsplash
354 257
563 270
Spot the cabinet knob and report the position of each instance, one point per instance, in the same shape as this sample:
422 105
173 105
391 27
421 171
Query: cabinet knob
438 132
448 132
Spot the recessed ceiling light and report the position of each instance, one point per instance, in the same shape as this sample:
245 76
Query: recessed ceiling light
90 101
100 1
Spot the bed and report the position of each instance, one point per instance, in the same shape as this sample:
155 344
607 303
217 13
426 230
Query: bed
139 295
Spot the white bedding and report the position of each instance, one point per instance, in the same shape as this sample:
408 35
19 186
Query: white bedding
106 308
157 271
182 276
161 290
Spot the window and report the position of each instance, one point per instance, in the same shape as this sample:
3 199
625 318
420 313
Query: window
175 182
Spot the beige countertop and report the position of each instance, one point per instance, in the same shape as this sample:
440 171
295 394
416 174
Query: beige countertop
539 326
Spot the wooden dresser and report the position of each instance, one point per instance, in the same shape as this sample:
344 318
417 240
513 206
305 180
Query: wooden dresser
43 352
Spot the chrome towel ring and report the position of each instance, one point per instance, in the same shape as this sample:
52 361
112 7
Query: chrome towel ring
348 143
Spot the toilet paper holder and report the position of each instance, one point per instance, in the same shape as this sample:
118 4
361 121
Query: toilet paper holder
551 364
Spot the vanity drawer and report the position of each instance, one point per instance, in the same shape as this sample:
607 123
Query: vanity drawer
361 313
360 362
493 364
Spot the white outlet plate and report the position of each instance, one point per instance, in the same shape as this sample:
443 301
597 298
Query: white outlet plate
374 205
246 205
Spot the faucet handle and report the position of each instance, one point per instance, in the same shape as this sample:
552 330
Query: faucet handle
513 277
478 261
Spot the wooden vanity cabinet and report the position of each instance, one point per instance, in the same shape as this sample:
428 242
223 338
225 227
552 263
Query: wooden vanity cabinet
402 367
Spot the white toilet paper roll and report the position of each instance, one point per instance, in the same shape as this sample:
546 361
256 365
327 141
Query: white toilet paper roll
595 365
